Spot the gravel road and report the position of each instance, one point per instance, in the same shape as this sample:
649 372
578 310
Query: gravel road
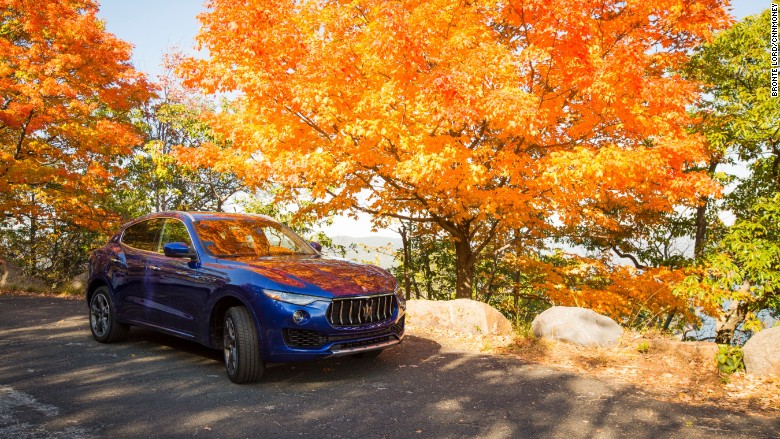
56 382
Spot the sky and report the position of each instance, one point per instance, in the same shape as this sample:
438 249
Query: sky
155 27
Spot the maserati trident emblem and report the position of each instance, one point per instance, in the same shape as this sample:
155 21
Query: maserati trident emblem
366 311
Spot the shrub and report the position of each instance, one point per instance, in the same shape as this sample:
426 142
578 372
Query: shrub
729 359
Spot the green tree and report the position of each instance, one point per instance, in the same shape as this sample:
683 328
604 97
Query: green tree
739 118
156 179
741 122
743 270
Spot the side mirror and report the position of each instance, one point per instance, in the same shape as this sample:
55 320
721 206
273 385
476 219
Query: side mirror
316 246
177 250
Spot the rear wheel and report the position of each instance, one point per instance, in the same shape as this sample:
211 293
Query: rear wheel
102 318
241 347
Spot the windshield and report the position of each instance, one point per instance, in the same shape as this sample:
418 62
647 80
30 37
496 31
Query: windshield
253 237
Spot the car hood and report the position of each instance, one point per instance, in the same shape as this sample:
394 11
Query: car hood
337 277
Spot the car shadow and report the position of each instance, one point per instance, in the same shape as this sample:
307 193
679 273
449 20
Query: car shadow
412 350
143 335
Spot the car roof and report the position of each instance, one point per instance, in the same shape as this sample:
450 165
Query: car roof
199 215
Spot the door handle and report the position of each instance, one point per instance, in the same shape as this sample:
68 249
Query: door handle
154 267
119 262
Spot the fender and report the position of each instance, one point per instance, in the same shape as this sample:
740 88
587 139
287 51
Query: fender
229 292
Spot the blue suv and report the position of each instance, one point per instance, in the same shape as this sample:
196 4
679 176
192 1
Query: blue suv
242 283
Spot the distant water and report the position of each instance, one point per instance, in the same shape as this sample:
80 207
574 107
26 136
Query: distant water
707 330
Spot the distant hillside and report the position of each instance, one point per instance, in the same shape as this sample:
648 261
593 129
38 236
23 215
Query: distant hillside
377 250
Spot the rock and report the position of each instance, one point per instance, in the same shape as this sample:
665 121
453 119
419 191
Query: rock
459 315
577 325
12 278
762 352
78 283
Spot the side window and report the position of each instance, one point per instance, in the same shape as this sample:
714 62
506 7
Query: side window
143 235
174 231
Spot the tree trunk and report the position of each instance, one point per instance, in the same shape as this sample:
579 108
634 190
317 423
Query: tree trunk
32 238
700 238
669 318
417 293
425 264
701 230
727 323
464 269
404 232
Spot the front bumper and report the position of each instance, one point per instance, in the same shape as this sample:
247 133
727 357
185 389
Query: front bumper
284 341
356 350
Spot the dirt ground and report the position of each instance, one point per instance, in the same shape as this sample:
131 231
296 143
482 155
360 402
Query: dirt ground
663 375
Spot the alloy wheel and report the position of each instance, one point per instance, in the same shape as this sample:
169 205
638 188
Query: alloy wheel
100 315
229 344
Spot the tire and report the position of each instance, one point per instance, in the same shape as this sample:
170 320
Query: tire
368 354
240 346
102 318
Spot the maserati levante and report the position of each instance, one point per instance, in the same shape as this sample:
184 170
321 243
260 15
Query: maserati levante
242 283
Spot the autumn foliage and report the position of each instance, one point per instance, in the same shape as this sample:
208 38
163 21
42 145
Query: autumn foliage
520 147
66 91
625 293
487 118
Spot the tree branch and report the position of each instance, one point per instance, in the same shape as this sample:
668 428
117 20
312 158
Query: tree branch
633 259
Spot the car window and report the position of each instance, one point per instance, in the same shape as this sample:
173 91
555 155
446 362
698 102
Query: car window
279 243
143 235
254 237
174 231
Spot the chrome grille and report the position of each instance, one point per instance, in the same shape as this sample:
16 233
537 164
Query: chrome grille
361 310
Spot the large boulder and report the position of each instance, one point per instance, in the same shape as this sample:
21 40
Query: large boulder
762 352
459 315
78 283
577 325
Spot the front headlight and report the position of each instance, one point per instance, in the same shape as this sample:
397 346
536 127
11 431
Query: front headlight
295 299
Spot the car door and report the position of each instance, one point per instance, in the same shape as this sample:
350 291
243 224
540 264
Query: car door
137 244
177 286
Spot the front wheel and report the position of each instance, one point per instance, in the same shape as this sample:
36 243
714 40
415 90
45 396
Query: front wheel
241 348
102 318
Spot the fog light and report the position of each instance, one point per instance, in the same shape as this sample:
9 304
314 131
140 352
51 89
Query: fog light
300 317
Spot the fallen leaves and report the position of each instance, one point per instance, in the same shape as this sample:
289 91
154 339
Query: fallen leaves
656 373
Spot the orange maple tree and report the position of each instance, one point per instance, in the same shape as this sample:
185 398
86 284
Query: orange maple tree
66 92
634 297
485 118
